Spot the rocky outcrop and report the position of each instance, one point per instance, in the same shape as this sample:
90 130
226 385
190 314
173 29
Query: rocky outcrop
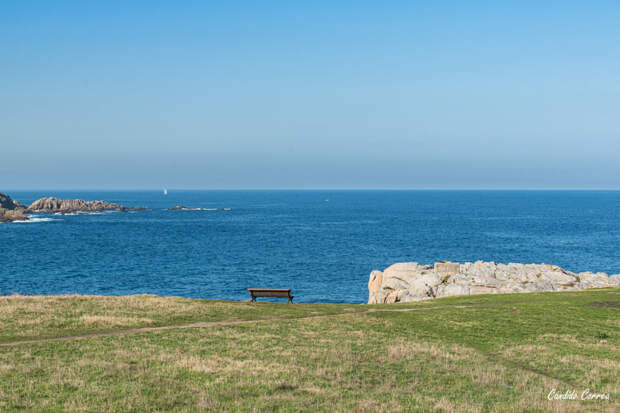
14 211
7 203
10 210
410 281
12 215
53 205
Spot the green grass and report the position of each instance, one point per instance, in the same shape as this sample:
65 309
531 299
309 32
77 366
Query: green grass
478 353
27 317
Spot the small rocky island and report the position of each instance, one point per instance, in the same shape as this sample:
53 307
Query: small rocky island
53 205
11 210
410 281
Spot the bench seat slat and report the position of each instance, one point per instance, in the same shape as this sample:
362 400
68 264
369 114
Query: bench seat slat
271 294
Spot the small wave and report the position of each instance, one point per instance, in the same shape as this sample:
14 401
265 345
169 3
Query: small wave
34 220
78 213
201 209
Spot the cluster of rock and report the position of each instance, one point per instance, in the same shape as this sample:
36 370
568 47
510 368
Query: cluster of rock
14 211
410 281
7 215
10 210
53 205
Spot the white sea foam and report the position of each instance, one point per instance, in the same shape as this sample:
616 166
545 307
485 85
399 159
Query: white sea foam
201 209
34 220
78 213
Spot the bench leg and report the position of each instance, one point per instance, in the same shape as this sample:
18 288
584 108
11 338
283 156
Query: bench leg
253 299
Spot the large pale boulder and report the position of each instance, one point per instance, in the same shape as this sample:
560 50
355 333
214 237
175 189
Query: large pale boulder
411 281
447 290
405 269
598 280
377 294
446 268
556 277
424 286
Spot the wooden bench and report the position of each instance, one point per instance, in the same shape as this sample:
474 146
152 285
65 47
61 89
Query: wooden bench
270 292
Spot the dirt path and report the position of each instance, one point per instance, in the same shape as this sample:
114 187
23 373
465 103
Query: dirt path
500 359
203 324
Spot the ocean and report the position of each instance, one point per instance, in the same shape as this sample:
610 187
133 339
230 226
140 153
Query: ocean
321 243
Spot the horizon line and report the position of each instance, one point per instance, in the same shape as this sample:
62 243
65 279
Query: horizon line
311 189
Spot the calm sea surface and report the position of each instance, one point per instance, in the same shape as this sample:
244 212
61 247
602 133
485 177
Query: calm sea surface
322 244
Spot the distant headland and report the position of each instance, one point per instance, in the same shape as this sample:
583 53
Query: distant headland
11 210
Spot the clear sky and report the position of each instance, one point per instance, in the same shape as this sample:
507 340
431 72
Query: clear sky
312 94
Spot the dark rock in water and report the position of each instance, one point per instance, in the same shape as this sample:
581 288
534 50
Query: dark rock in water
7 203
137 208
178 207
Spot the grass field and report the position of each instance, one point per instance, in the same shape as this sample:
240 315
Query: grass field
145 353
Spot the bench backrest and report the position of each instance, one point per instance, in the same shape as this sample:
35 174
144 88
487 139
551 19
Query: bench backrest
270 292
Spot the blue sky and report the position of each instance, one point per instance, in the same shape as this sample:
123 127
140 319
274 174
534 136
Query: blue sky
120 95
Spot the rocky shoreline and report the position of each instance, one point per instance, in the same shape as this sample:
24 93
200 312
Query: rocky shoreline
410 281
11 211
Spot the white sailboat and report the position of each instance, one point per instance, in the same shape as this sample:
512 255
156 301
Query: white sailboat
165 191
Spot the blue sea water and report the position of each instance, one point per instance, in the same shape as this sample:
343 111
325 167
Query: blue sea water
322 244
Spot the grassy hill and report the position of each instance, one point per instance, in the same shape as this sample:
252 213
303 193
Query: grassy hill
145 353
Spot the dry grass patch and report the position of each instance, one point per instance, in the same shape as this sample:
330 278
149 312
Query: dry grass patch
414 349
229 366
113 321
